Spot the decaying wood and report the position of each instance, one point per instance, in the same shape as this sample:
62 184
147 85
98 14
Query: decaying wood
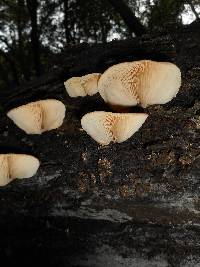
129 204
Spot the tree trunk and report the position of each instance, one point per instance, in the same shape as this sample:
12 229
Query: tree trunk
20 27
32 8
193 10
129 204
131 21
66 22
4 75
15 75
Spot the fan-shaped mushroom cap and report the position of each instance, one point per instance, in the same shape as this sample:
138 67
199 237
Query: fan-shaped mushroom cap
53 114
142 82
4 170
105 127
38 117
82 86
19 166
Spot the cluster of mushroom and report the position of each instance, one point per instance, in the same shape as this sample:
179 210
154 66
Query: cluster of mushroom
34 118
143 83
127 84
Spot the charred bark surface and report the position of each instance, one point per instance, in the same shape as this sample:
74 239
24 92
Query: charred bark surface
130 204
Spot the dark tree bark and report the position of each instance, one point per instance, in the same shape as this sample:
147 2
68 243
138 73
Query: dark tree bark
15 75
4 75
129 204
131 21
66 22
21 51
32 8
20 8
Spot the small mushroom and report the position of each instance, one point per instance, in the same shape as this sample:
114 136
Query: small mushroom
13 166
142 82
82 86
38 117
106 127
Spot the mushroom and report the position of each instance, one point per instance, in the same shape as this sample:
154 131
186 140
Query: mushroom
142 82
38 117
105 127
82 86
13 166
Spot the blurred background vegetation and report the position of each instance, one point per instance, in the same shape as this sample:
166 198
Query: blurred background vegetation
33 33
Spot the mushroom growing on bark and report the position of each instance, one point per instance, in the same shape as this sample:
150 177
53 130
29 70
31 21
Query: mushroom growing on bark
82 86
142 83
38 117
106 127
13 166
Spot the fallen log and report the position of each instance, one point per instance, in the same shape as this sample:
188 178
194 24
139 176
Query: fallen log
129 204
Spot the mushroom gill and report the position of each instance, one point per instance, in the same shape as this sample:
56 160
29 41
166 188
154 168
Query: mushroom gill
17 166
142 82
106 127
38 117
82 86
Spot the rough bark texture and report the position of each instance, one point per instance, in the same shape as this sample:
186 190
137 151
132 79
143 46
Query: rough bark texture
130 204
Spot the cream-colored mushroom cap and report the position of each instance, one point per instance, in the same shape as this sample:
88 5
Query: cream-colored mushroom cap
13 166
106 127
38 117
82 86
142 82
